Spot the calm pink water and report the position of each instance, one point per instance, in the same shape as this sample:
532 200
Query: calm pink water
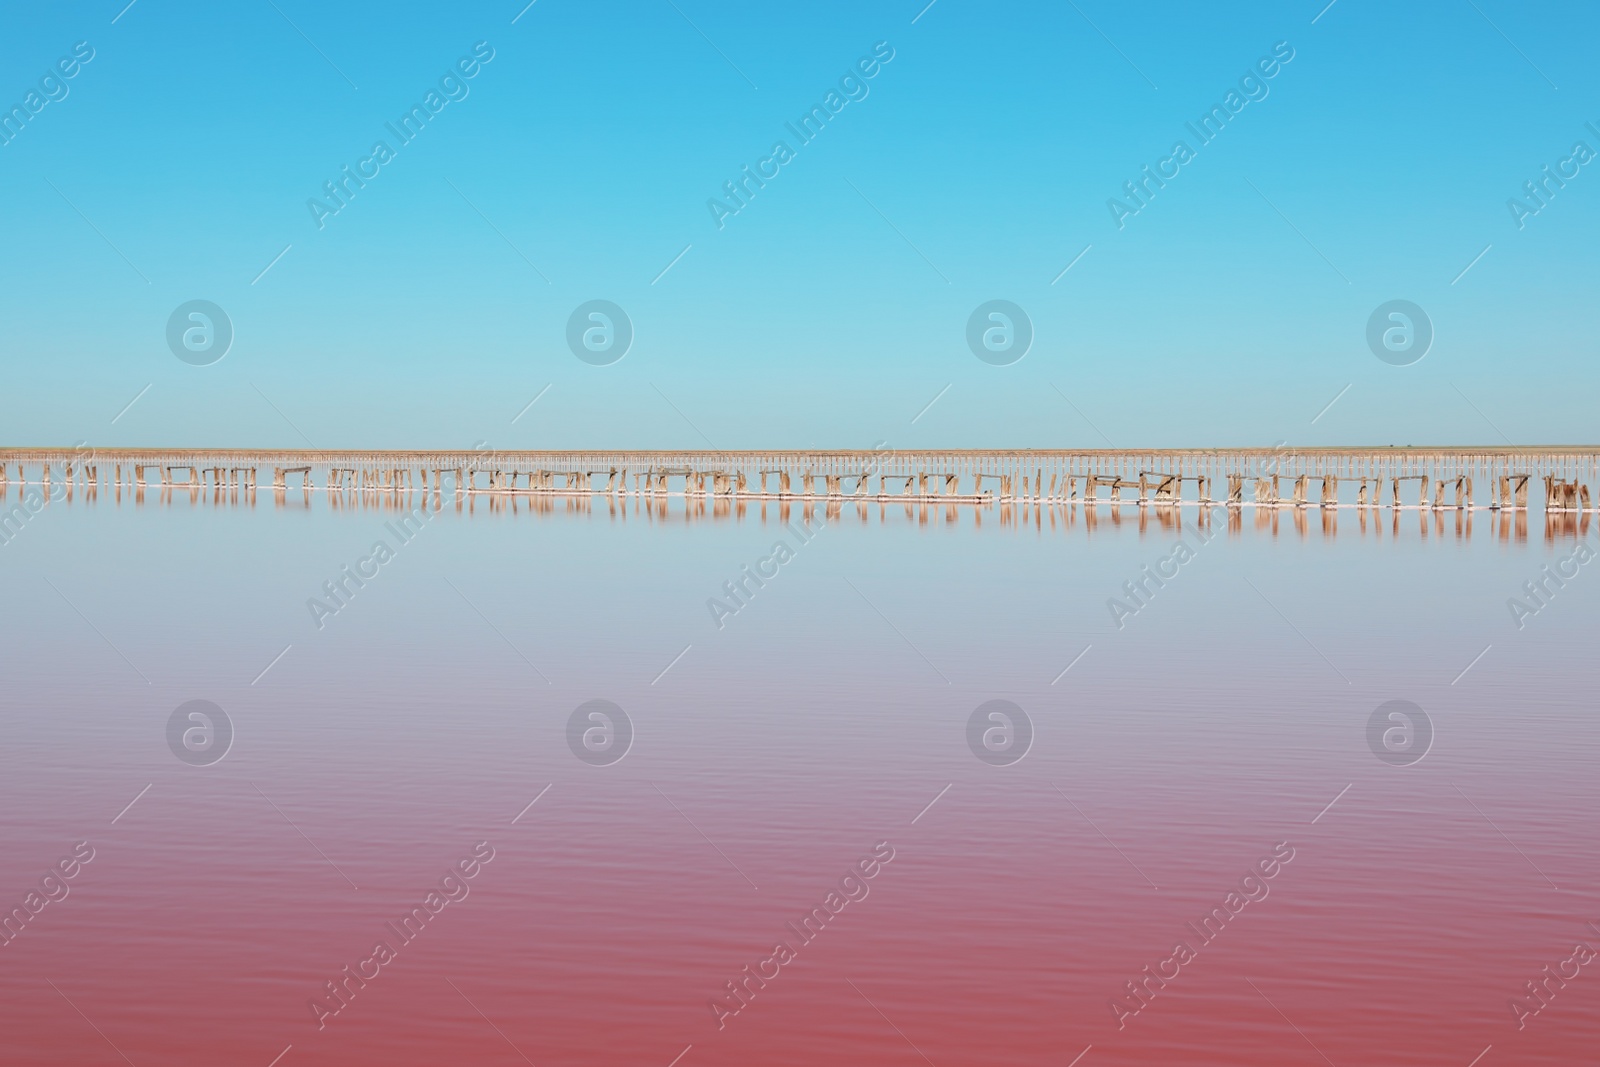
770 756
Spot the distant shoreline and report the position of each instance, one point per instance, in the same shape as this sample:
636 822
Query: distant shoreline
48 453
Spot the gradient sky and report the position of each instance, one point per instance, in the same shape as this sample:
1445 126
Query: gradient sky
832 309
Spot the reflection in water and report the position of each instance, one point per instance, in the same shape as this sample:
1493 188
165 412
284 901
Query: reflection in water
429 708
1506 523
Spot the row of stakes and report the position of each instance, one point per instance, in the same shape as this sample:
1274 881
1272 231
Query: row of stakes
1154 487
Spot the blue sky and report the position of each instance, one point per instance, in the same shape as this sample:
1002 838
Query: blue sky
833 307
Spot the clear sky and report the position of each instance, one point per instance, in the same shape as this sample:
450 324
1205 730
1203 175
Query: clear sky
974 164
